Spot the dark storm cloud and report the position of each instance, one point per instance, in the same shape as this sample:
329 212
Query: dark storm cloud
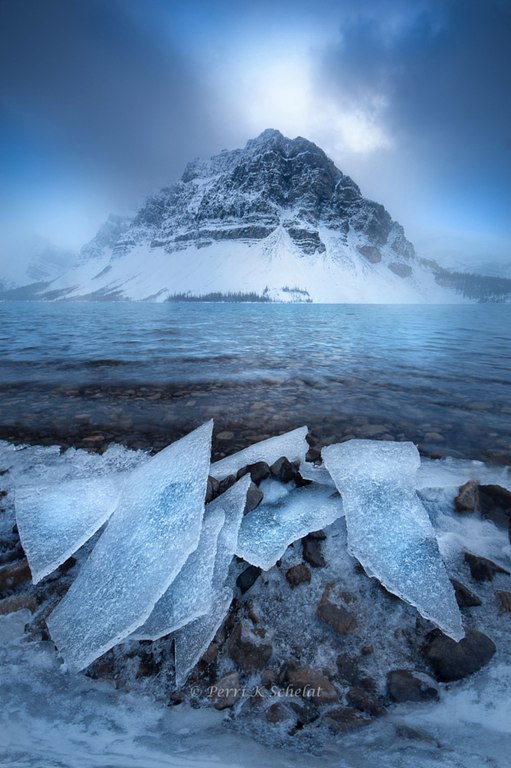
107 83
444 69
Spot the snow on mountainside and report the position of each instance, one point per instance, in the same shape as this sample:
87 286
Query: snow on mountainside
273 221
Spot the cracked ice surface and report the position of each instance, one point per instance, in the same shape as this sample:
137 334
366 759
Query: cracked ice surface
153 530
190 594
192 640
389 530
55 521
292 445
266 532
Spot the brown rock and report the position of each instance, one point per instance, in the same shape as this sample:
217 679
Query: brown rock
453 661
495 504
345 719
278 712
17 603
312 552
467 499
254 498
298 574
11 576
505 601
342 621
482 569
403 685
247 650
365 702
464 597
312 685
226 691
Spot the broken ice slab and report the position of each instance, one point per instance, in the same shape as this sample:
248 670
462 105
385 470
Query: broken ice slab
232 504
190 594
153 530
266 533
389 530
292 445
54 522
319 475
193 640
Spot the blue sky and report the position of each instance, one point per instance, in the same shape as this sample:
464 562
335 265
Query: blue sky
104 101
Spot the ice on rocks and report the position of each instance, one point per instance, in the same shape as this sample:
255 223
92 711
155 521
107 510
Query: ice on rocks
389 530
292 445
148 539
190 594
266 532
193 640
55 521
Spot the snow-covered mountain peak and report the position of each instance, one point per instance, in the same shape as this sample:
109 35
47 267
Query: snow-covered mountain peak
275 220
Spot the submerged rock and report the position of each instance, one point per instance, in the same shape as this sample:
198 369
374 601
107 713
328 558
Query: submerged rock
450 660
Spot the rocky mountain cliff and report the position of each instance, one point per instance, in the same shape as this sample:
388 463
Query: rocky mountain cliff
273 221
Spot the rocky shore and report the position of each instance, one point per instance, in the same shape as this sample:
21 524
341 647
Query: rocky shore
312 646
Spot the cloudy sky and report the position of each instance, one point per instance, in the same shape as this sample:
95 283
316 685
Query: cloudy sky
104 101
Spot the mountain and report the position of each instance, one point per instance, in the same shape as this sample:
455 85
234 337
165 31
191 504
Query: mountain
32 261
275 221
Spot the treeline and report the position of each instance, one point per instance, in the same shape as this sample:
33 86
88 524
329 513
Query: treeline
231 297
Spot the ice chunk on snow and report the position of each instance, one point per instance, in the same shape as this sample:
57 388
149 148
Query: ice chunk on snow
192 641
266 532
154 529
292 445
389 530
190 594
55 521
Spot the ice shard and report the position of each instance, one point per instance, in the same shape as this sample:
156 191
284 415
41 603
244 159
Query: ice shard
292 445
192 640
155 527
190 595
267 531
55 521
389 530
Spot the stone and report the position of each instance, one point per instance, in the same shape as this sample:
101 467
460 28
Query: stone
258 471
450 660
342 621
312 552
225 435
247 578
495 504
298 574
283 470
365 702
305 710
212 489
17 603
312 685
226 691
464 597
248 650
467 499
254 498
344 719
278 713
403 685
505 601
225 484
482 569
11 576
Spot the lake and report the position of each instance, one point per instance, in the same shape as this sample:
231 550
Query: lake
87 374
